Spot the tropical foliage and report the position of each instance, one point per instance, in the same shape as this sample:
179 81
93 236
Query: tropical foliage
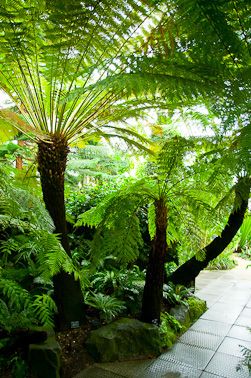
115 220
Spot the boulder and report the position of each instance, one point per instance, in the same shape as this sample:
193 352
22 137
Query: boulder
181 313
124 339
197 307
44 359
188 314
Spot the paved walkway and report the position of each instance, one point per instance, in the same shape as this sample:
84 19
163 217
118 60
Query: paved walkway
211 348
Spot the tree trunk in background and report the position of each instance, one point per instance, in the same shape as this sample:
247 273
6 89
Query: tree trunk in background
153 290
188 271
52 157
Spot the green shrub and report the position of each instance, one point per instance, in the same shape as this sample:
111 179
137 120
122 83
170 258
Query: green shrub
222 262
169 329
176 294
109 307
246 254
196 308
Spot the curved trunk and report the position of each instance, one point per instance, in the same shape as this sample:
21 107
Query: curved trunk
153 290
188 271
52 158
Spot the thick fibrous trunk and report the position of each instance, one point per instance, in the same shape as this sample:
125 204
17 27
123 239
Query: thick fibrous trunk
19 159
52 157
153 290
188 271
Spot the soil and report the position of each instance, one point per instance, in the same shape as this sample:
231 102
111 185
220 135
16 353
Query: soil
74 356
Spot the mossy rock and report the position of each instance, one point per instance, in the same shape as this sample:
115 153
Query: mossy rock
124 339
44 359
181 313
188 314
197 307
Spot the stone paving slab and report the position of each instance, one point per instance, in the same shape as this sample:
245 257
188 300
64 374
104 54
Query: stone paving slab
233 346
201 339
240 332
171 369
211 327
191 355
225 366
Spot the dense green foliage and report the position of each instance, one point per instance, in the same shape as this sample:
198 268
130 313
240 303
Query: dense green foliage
80 74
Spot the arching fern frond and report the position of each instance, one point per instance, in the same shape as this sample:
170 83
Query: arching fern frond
44 308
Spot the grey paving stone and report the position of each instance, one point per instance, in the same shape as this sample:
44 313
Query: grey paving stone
224 317
212 327
233 308
95 372
209 375
170 369
240 332
209 298
233 346
228 299
201 339
226 366
246 312
243 285
188 354
127 368
243 321
237 295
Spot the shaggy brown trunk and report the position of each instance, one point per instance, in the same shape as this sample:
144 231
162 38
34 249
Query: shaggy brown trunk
153 290
19 159
188 271
52 157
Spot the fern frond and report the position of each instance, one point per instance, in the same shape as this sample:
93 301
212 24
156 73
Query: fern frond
44 308
15 294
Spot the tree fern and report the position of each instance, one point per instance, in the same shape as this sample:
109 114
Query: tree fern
44 308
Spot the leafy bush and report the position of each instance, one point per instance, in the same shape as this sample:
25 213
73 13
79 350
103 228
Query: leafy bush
109 307
19 309
222 262
124 284
246 253
196 307
175 294
169 329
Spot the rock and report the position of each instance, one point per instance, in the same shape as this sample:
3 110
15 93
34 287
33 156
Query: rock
188 314
197 307
124 339
181 313
44 359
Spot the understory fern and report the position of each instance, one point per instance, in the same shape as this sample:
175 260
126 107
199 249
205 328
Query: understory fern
44 309
108 306
18 308
30 255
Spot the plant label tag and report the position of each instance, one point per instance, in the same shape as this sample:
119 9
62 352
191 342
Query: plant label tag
75 324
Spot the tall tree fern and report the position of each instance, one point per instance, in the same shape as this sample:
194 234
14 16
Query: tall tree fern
47 51
170 182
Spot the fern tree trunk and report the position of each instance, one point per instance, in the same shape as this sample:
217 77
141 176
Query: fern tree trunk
188 271
52 157
153 290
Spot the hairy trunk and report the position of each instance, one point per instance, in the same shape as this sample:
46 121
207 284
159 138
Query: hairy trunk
188 271
52 157
19 159
153 290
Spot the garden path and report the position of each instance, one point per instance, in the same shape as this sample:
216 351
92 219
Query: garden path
211 348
